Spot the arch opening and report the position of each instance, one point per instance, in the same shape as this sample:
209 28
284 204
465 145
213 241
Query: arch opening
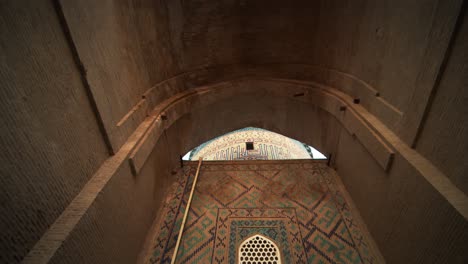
252 143
258 249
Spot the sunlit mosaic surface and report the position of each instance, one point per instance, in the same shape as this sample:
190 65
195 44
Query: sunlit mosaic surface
295 205
267 146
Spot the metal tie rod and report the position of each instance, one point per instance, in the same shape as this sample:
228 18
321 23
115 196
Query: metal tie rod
174 256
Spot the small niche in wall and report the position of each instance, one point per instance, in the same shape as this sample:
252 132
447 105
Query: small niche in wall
249 145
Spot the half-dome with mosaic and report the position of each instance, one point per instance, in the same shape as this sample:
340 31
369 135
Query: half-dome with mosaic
253 144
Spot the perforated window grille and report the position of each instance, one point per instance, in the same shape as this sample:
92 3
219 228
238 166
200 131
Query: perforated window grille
259 250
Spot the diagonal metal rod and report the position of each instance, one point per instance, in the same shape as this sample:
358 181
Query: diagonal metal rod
174 256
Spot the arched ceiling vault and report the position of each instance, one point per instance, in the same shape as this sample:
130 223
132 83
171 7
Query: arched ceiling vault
274 105
163 76
200 114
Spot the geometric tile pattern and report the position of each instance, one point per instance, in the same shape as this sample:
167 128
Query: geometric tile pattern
280 225
294 204
267 146
355 229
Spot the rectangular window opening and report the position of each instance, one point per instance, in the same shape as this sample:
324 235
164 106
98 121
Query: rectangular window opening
249 145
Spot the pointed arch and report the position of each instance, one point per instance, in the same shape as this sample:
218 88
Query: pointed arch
264 145
258 249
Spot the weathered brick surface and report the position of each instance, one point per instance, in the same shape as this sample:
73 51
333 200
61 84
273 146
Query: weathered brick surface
137 54
49 137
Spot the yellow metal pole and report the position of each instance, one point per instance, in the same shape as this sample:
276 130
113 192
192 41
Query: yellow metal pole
176 249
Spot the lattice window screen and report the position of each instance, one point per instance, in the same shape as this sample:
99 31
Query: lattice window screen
259 250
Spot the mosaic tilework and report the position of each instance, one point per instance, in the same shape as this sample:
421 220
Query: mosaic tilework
368 253
294 204
267 146
169 225
237 224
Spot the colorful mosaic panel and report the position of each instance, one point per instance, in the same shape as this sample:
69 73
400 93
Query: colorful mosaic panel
278 224
267 146
296 205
